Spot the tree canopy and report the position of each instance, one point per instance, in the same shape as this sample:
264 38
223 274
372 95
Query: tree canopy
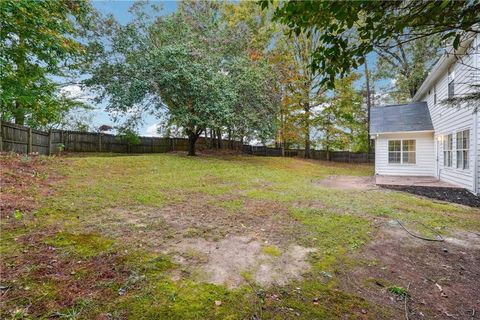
39 44
352 29
192 64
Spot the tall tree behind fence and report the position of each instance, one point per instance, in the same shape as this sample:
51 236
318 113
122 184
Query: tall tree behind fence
22 139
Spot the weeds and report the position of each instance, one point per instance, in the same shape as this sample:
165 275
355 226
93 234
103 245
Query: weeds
399 291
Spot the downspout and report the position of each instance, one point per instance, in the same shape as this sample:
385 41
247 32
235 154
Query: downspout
475 151
476 161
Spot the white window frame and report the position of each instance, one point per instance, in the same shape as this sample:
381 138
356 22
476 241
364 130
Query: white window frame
447 150
402 152
462 150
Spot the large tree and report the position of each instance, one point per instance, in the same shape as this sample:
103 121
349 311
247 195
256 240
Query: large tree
308 88
352 29
342 121
406 64
289 113
189 63
40 46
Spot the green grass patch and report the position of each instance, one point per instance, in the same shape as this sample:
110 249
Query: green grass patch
187 300
333 234
273 251
399 291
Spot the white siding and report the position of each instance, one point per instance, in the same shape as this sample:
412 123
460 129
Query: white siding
477 120
425 155
478 151
447 120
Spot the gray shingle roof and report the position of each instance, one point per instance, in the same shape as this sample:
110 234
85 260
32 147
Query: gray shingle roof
401 117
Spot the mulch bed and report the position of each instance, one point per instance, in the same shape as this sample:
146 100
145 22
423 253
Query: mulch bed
455 195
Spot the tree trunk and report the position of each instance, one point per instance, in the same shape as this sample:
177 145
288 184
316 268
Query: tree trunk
19 114
307 148
192 139
219 138
307 131
212 139
20 60
369 103
230 143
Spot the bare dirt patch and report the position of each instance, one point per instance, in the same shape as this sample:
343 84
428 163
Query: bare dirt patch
348 182
213 243
443 277
200 216
235 259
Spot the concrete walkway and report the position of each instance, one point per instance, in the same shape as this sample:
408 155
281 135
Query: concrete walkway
412 181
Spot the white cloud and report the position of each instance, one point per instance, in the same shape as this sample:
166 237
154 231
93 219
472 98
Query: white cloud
78 93
152 131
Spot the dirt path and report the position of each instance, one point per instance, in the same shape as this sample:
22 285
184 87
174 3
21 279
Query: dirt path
443 277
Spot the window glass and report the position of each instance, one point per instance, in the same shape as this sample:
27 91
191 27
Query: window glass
408 145
409 157
451 84
394 157
447 150
463 145
394 145
401 151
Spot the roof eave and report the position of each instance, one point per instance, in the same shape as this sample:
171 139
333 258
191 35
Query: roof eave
444 63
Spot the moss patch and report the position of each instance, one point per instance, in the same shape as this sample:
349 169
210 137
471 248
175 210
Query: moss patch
82 245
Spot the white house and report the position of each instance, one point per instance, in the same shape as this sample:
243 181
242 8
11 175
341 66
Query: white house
428 138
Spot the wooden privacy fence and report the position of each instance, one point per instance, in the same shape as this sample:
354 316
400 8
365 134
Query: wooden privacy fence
335 156
21 139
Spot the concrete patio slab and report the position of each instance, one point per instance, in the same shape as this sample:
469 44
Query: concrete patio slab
412 181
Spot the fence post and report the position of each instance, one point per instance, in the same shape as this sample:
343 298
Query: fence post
29 140
49 148
99 142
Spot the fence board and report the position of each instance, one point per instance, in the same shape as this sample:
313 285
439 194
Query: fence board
15 138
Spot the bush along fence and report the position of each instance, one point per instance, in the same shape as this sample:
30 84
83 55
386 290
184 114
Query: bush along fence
21 139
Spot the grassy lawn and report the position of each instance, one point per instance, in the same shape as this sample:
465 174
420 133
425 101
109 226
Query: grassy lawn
172 237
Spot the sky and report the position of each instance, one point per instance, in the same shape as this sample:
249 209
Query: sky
120 10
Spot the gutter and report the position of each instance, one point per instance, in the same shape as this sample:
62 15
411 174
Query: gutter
400 132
